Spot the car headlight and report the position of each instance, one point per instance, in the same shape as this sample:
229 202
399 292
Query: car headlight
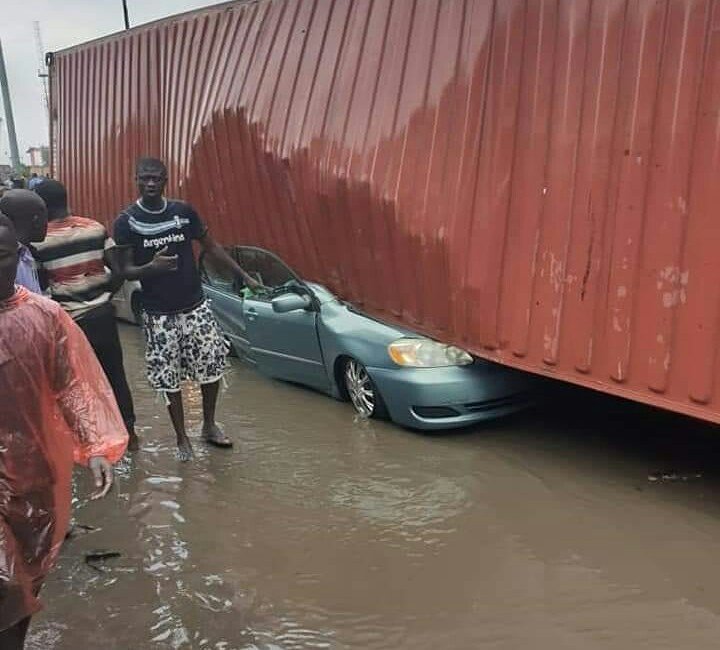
424 353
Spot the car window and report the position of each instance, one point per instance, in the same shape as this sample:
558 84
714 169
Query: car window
268 269
217 277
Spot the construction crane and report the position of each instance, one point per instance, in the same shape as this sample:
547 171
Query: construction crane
42 68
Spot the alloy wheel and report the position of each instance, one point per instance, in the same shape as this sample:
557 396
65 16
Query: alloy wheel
360 388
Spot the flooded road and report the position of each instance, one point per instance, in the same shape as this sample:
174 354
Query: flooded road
584 524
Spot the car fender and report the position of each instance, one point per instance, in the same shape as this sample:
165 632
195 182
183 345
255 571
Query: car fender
344 333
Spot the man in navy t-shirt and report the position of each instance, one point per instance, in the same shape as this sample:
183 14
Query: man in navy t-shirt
153 238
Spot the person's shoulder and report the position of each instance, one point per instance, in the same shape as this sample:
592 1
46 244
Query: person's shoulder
120 228
76 221
126 213
178 205
79 220
65 232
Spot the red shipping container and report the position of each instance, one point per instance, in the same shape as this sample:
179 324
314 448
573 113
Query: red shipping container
535 180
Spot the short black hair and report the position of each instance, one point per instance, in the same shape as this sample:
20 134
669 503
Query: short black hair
150 164
21 207
53 193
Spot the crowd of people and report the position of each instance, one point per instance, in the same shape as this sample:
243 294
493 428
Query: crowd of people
66 398
20 182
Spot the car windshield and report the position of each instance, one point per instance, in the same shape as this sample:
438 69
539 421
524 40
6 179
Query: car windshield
267 268
216 276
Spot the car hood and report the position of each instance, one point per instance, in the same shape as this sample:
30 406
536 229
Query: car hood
323 295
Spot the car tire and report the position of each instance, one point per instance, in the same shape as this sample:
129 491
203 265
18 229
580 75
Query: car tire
231 351
362 391
137 307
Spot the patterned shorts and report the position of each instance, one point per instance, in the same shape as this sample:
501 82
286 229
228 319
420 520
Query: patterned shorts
188 346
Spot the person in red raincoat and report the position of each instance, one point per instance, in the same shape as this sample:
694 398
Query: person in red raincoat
56 408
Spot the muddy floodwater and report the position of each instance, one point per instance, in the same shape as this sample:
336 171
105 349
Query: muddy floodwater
586 523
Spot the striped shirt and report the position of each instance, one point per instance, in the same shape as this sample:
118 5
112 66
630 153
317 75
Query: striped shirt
72 257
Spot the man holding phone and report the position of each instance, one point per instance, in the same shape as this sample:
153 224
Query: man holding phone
153 238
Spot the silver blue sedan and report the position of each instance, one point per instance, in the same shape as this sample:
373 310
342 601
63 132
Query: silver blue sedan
300 332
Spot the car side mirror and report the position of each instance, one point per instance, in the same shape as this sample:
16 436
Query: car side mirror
291 302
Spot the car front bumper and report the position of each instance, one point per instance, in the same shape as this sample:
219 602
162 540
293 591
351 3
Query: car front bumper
446 398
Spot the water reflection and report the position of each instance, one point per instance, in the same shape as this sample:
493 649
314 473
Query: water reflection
321 531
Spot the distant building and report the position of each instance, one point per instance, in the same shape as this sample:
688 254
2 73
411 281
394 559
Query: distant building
38 159
35 156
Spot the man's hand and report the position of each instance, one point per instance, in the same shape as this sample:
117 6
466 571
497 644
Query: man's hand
222 259
102 472
252 284
163 262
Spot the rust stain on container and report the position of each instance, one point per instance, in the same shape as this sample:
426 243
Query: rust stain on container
535 180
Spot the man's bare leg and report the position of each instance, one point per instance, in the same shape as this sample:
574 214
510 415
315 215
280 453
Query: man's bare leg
211 431
133 440
177 415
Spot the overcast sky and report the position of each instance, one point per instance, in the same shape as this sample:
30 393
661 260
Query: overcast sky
62 23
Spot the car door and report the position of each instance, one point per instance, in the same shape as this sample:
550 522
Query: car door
226 303
286 345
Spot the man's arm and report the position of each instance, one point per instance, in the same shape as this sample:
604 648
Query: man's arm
116 279
121 259
110 261
87 404
123 265
217 254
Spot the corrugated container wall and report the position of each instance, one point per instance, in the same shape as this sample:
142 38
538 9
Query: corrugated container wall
536 180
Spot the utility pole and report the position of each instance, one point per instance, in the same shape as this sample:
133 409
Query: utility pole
3 150
125 13
12 136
